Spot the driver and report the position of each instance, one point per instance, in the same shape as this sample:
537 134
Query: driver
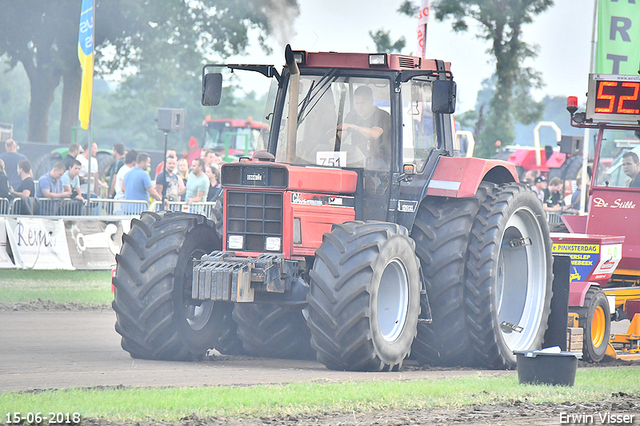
631 168
369 126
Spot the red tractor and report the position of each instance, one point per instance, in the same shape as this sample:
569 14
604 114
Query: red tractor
605 244
360 236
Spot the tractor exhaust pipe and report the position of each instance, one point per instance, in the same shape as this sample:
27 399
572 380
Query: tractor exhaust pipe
294 89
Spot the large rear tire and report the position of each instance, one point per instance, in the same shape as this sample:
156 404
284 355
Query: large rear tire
272 331
155 314
364 297
441 232
595 319
509 275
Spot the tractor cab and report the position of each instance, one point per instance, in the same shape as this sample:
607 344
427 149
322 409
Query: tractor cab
384 117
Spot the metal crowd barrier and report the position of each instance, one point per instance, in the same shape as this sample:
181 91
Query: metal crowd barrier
206 208
69 207
4 206
554 217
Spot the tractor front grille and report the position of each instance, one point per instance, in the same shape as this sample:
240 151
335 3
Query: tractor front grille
256 216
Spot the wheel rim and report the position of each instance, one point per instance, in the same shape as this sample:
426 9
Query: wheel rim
392 300
521 279
598 326
196 315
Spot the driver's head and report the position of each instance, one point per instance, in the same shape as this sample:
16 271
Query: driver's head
630 164
363 101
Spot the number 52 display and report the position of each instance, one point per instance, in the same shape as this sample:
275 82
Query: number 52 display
613 97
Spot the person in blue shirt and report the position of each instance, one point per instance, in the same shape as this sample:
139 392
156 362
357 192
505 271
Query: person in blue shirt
137 184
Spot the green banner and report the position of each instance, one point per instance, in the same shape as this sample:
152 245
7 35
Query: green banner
618 50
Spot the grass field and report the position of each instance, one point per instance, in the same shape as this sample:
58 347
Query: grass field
171 404
90 287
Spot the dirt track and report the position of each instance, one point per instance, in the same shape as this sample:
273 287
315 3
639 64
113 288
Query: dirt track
79 348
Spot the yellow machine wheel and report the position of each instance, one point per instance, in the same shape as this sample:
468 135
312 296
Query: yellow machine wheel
595 320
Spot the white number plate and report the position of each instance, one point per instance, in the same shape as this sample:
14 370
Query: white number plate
331 158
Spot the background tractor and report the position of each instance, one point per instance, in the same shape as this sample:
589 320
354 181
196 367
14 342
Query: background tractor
605 243
358 241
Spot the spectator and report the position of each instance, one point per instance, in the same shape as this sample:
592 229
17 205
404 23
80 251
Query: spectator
539 187
129 163
554 196
170 153
74 150
4 182
183 169
219 154
209 157
26 187
198 183
118 161
84 161
11 159
575 198
631 168
214 179
50 185
71 181
170 187
137 183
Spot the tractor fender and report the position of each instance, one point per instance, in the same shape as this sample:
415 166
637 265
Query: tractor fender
578 291
460 177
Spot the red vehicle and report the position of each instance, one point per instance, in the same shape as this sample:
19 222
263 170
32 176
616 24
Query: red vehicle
237 137
360 235
605 243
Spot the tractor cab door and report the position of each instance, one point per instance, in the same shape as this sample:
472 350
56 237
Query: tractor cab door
423 142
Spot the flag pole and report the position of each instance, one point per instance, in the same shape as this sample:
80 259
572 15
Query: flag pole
587 135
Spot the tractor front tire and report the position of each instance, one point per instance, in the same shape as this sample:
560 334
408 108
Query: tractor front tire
364 297
155 314
272 331
595 319
509 275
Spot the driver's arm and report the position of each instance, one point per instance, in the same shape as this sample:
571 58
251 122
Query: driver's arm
372 133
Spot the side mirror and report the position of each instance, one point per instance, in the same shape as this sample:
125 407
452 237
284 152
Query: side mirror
443 100
211 89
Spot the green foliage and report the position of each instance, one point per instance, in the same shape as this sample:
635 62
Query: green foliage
382 40
161 46
14 108
501 24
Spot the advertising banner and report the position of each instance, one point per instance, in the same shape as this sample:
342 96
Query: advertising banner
38 243
617 51
5 260
93 244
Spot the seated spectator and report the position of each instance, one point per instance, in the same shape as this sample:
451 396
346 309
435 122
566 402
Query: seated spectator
137 184
50 186
26 188
170 187
71 181
4 182
214 179
198 183
554 196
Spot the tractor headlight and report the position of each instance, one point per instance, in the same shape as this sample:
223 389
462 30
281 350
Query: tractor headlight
272 244
235 242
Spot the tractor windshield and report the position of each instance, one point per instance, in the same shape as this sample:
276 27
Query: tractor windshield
610 170
342 122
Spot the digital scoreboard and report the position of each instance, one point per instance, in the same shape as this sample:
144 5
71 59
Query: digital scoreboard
613 97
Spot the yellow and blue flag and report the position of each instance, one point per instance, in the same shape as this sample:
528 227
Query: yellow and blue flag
85 54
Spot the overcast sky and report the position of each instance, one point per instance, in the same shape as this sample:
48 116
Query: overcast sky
563 35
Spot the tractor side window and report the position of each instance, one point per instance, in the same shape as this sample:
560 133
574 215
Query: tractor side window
418 129
614 169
